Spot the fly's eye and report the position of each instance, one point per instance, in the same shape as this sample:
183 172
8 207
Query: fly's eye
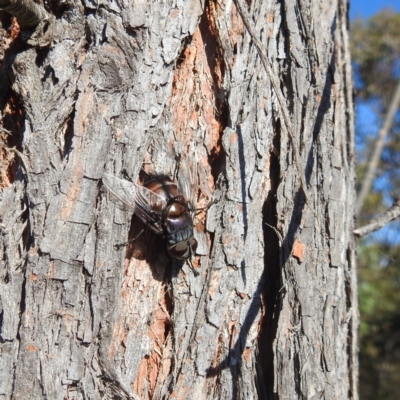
181 246
179 251
193 244
183 250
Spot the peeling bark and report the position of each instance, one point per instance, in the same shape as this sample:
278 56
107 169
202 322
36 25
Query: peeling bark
121 86
29 13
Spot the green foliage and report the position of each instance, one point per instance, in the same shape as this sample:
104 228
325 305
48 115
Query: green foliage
375 48
375 45
390 162
376 53
379 297
372 206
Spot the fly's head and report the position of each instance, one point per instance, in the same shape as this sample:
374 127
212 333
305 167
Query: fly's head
183 250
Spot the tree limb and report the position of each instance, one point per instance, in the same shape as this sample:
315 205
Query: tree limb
29 13
391 214
378 147
276 85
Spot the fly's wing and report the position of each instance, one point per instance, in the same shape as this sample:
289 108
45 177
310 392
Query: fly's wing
123 190
188 180
139 199
147 202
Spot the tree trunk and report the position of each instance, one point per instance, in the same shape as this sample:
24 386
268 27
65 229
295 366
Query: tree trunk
120 86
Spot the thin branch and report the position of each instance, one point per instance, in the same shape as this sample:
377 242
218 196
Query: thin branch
28 13
391 214
275 82
378 148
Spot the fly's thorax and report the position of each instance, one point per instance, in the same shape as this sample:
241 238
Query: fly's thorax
164 187
175 209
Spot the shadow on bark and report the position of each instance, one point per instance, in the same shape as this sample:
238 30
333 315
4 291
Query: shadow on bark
265 296
323 108
233 360
242 162
150 247
270 288
272 284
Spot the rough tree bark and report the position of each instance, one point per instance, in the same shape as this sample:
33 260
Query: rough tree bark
117 86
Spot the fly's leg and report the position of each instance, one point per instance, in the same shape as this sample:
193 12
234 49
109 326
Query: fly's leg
177 165
118 246
196 211
189 260
196 273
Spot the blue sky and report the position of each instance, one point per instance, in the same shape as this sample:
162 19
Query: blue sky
365 9
367 121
